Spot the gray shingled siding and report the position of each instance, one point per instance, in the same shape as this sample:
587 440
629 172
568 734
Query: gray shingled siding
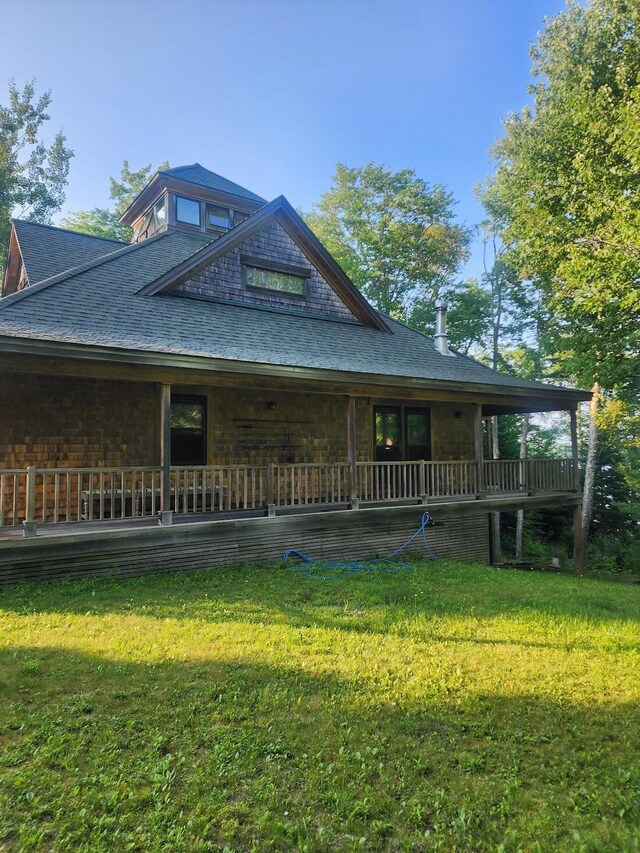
223 279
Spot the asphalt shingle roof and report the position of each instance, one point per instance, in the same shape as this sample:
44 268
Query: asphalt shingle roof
197 174
47 250
99 306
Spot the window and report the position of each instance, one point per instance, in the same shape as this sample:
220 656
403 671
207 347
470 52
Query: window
218 217
187 211
401 433
239 217
160 213
188 430
151 222
274 280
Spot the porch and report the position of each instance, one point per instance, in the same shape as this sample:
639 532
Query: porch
36 500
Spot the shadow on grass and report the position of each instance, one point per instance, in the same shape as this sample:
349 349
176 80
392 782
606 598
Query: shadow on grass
241 753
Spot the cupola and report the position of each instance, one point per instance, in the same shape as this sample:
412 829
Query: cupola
189 198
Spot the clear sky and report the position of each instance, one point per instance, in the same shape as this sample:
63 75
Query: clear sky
272 93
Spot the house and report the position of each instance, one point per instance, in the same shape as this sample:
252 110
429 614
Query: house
222 375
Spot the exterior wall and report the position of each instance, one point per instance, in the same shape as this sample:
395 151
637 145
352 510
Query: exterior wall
452 433
69 422
250 427
223 280
73 423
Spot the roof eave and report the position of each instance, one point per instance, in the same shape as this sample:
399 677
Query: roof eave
550 398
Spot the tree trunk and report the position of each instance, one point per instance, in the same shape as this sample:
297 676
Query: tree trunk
496 545
590 466
524 436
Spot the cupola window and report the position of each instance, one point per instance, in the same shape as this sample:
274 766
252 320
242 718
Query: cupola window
187 211
218 217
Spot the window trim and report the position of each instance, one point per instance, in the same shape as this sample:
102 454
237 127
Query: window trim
274 266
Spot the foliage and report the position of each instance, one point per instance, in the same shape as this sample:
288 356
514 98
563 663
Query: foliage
394 235
564 193
104 221
33 175
252 708
469 316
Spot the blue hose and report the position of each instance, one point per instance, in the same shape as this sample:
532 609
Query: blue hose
386 565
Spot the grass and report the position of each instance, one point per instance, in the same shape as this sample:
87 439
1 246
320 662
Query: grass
456 708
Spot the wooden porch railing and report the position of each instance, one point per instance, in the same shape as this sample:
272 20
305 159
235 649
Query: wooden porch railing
67 495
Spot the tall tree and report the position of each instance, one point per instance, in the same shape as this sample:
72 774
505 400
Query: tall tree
104 221
33 176
395 236
565 194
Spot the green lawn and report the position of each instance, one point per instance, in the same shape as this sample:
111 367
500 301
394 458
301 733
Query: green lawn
456 708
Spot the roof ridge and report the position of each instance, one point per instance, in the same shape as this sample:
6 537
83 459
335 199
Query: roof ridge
70 231
72 272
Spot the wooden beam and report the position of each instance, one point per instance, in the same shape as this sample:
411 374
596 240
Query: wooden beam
165 454
351 452
578 540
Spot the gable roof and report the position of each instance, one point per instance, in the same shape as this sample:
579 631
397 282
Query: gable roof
197 174
280 210
98 306
47 250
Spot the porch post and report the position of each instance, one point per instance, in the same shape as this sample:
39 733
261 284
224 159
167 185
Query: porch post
351 454
29 527
166 516
477 438
573 414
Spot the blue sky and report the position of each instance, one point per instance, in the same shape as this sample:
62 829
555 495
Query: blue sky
272 94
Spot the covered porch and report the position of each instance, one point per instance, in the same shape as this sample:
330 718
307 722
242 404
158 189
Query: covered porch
32 500
98 447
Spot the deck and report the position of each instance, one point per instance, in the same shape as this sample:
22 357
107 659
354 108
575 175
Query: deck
60 501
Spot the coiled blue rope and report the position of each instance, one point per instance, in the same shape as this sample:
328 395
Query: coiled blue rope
310 567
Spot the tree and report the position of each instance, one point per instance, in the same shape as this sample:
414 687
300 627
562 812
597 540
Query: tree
564 195
32 176
394 235
103 221
565 190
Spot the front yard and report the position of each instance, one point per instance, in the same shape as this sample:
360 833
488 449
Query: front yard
455 707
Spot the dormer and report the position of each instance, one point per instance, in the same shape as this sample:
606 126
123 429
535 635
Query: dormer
189 198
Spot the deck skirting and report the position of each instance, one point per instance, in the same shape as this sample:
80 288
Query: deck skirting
460 532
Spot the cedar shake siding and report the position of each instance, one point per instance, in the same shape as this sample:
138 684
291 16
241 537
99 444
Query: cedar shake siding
225 280
67 422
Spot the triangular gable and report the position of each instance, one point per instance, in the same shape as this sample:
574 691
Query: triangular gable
280 212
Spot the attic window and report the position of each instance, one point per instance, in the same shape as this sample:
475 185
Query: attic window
270 275
187 211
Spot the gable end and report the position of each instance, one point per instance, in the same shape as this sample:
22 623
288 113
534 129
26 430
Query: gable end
270 250
301 235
